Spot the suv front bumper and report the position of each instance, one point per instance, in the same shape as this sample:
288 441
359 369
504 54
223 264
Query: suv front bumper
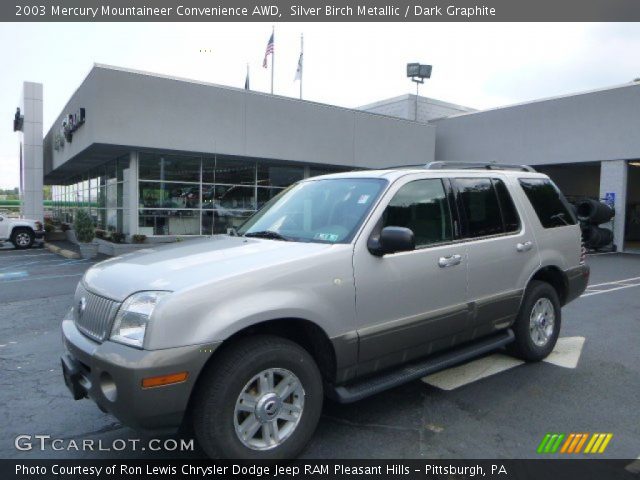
111 374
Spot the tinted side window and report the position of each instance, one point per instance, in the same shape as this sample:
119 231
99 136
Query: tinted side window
552 208
509 212
480 207
421 206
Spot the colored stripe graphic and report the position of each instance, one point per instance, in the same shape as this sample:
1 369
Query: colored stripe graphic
598 443
573 443
550 443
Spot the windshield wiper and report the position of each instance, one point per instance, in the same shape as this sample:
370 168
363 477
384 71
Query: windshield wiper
270 234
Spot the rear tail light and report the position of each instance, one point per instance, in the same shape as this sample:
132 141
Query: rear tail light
583 254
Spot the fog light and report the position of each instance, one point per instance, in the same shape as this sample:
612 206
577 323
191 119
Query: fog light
108 387
164 380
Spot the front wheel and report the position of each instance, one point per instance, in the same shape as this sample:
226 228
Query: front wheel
537 326
22 238
260 399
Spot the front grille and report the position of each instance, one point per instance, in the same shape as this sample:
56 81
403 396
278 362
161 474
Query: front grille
96 317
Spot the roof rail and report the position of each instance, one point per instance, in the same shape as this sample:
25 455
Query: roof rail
477 166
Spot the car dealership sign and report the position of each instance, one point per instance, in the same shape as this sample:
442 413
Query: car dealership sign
70 123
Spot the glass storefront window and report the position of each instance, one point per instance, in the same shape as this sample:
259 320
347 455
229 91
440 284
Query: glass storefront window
270 175
169 195
228 196
266 194
229 171
169 167
169 222
219 221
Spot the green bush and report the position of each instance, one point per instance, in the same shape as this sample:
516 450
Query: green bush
83 225
138 238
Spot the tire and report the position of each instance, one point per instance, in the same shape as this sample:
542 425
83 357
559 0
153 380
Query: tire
22 238
532 343
219 413
593 211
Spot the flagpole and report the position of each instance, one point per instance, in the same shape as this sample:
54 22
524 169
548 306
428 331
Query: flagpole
273 55
302 64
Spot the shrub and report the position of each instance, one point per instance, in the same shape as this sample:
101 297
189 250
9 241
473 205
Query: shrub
83 226
48 227
64 227
100 233
117 237
139 238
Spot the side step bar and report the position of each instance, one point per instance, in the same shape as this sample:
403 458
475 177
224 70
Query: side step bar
363 388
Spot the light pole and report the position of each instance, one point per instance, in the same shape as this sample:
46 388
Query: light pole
418 72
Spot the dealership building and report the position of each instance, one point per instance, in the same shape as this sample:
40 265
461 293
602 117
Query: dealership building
158 155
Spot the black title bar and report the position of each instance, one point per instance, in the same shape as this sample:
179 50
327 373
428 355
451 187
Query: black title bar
556 469
320 11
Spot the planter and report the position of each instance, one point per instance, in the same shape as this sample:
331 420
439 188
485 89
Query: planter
71 236
88 250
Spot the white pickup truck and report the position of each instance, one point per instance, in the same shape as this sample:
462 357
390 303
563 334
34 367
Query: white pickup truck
22 232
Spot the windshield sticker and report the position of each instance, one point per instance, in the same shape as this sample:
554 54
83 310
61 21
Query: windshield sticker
326 237
363 199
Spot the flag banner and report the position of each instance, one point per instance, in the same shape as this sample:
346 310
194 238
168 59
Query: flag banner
268 51
246 81
299 69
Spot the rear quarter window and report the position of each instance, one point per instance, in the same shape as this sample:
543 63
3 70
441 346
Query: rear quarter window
552 208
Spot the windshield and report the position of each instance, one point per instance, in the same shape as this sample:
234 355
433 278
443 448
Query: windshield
323 211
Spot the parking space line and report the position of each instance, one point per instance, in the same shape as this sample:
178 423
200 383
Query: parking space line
614 281
48 277
37 262
633 467
6 276
597 292
457 377
566 354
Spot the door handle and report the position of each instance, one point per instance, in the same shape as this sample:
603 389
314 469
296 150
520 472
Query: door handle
449 261
524 247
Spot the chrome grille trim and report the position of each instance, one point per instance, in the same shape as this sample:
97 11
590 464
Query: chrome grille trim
96 320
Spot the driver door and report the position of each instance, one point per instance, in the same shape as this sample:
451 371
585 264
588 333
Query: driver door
410 304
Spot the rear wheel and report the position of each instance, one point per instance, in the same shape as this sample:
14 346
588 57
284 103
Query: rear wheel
22 238
537 326
260 399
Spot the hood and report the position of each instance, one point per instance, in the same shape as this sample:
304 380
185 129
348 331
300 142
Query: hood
194 262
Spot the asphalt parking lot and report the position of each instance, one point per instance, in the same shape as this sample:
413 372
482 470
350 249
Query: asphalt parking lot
490 408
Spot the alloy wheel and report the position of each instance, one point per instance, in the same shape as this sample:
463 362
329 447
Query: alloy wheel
269 409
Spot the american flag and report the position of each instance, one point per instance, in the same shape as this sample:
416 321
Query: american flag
268 51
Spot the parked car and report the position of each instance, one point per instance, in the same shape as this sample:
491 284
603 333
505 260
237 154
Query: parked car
342 286
22 232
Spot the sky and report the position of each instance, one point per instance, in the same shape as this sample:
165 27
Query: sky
479 65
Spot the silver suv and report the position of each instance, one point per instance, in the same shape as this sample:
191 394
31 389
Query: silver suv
343 285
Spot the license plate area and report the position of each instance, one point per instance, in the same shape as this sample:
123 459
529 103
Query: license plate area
73 377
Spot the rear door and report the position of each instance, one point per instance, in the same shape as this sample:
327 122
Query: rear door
412 303
502 250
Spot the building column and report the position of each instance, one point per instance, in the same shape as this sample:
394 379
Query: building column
130 196
613 179
31 166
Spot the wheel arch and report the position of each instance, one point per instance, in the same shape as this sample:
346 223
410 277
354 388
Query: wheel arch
555 277
305 333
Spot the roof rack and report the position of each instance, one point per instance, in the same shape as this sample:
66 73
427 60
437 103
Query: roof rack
477 166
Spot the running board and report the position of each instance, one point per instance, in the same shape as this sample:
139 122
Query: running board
363 388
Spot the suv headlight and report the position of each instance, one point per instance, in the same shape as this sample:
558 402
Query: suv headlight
133 315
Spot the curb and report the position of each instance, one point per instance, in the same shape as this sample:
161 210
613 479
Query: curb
61 251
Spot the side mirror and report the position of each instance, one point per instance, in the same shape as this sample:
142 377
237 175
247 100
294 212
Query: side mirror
392 240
